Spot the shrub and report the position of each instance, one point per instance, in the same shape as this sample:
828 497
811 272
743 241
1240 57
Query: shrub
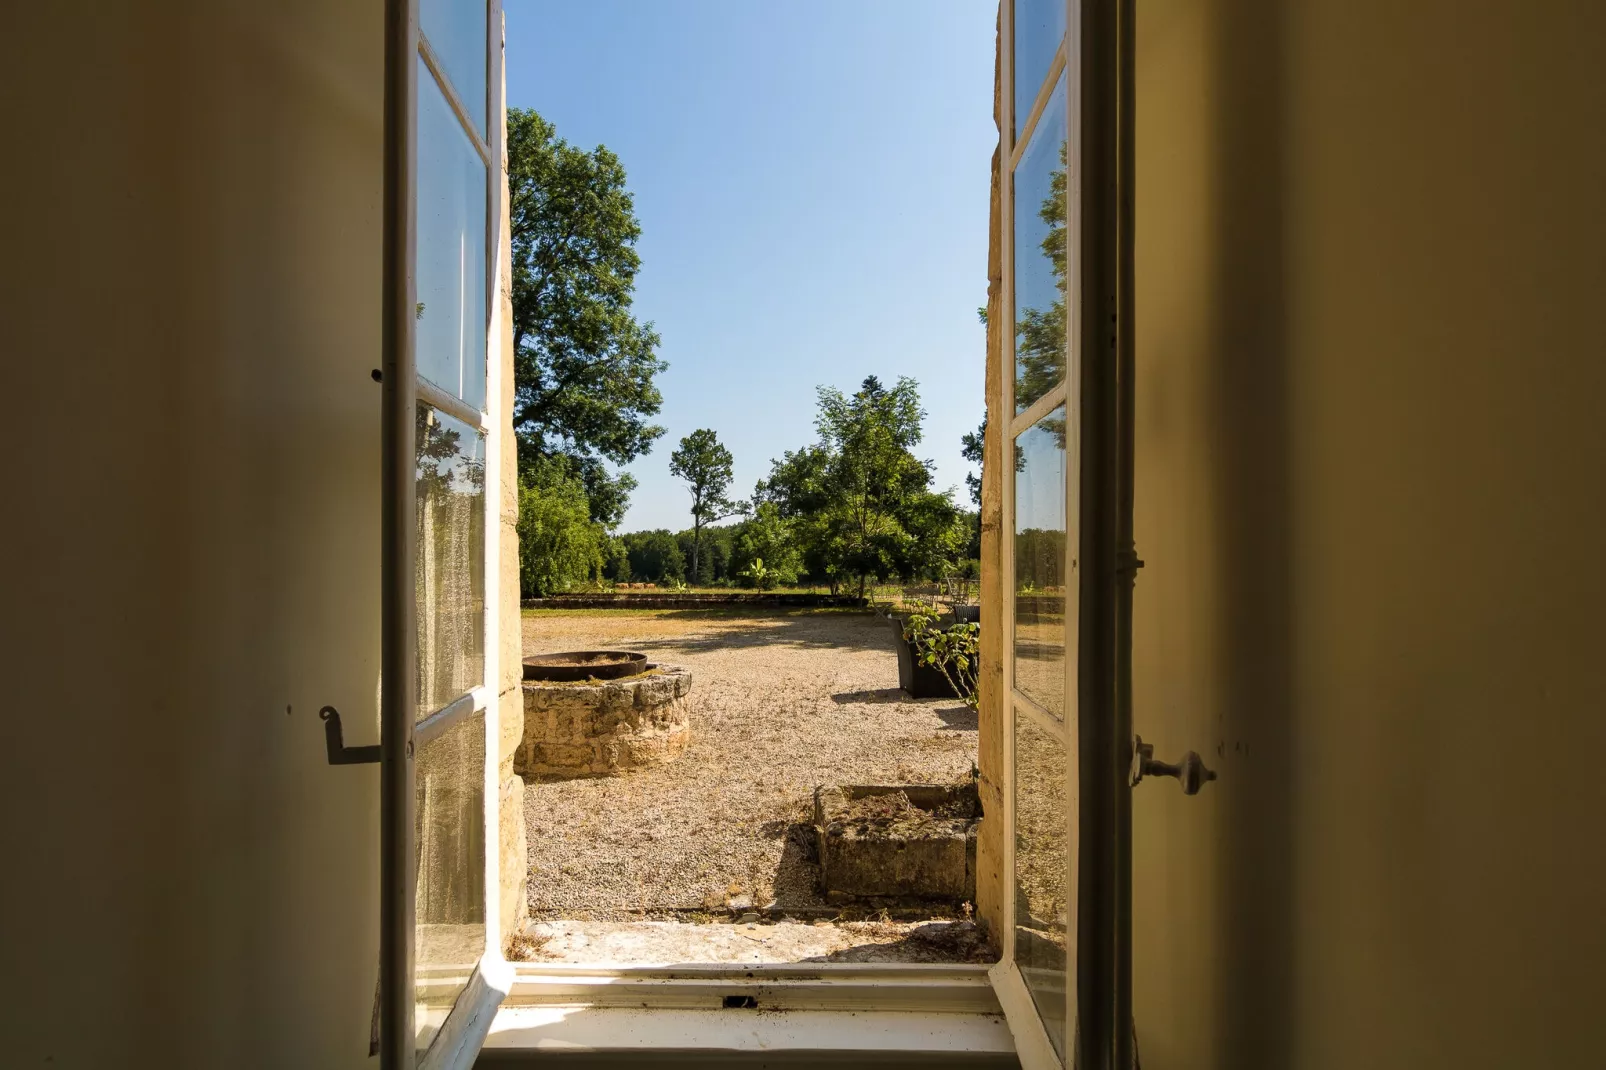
955 650
767 541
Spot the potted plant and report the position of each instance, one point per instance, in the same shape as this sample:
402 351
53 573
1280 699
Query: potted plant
937 660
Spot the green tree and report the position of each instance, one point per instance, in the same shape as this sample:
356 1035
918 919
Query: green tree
766 537
970 448
705 465
615 560
559 544
583 367
869 436
799 488
713 565
860 502
937 536
654 556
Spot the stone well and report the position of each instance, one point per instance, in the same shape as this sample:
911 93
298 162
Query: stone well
600 728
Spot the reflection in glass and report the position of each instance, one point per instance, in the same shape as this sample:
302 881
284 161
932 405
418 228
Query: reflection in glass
452 310
1040 579
1041 257
1042 874
1039 25
450 482
449 822
456 33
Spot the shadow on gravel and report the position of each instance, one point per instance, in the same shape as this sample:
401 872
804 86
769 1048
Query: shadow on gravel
796 881
880 694
821 632
958 719
937 941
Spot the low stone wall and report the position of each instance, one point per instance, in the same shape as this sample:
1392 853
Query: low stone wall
604 728
671 600
879 841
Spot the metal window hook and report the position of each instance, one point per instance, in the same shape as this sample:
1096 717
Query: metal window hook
339 753
1191 771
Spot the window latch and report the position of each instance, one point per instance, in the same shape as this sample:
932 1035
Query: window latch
1190 771
339 753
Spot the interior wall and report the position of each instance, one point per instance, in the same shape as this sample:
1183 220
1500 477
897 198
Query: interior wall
1370 337
191 297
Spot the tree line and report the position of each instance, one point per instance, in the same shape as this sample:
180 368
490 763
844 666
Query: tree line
853 507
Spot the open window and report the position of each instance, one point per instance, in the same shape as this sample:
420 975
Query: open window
441 969
1055 405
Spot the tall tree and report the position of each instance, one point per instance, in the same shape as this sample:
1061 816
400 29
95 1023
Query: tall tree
869 436
583 366
860 502
705 465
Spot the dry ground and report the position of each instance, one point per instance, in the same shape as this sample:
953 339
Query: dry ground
670 943
782 701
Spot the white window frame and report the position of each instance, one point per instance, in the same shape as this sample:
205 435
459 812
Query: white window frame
1035 1048
542 998
463 1023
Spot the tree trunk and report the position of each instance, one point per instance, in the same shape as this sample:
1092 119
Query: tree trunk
696 538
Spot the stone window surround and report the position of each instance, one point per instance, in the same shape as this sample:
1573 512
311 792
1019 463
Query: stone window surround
946 999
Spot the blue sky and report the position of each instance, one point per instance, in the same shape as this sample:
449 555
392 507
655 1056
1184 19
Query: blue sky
811 180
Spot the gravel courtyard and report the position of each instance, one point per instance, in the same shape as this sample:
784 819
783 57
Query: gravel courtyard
781 701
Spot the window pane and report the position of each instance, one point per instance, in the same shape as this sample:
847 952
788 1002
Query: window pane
450 478
1039 25
449 821
456 33
1040 257
1040 581
1042 873
452 310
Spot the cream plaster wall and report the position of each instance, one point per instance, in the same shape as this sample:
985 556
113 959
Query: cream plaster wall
191 309
1371 495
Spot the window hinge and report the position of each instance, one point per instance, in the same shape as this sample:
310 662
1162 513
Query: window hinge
339 753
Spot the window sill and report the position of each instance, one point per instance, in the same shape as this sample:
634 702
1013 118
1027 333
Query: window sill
869 1014
461 1026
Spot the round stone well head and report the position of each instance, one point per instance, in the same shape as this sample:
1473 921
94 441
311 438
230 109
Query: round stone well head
600 713
584 665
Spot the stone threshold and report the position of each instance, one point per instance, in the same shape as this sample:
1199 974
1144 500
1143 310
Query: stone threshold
671 943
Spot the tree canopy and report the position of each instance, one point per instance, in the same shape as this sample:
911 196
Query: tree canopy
765 546
859 500
559 544
584 368
653 556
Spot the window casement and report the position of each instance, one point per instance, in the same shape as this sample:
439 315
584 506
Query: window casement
442 972
1060 847
1051 674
